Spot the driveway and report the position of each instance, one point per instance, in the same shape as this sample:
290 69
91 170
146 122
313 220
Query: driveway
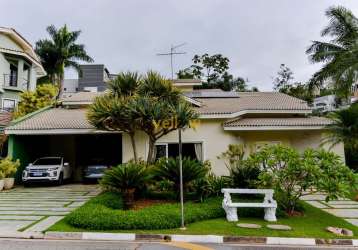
37 208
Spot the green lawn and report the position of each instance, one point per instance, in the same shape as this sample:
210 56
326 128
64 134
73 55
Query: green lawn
312 224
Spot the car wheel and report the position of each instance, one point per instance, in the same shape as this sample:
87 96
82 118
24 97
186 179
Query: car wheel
60 179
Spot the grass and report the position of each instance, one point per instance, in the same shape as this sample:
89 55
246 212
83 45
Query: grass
312 224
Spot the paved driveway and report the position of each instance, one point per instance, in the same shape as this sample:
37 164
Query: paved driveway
37 208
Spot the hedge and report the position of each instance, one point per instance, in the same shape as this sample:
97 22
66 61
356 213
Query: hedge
103 213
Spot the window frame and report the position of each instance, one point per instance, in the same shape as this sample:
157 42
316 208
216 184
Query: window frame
8 99
188 142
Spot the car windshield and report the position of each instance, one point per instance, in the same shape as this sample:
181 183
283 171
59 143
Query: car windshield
48 161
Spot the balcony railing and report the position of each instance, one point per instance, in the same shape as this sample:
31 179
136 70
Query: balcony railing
11 80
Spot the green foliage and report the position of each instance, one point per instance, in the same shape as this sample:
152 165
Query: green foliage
291 174
210 186
31 101
141 103
8 167
338 54
243 173
97 215
168 169
126 176
283 83
344 127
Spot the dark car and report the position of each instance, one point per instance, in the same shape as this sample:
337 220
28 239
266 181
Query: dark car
94 172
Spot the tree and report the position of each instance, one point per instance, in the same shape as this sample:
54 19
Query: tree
150 104
293 174
339 55
59 52
112 112
209 67
283 79
284 83
31 101
160 109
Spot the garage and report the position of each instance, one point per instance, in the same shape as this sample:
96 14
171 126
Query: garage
63 132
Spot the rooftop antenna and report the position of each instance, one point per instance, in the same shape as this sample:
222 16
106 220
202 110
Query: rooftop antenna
171 54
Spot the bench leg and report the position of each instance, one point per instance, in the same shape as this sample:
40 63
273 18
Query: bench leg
231 213
270 214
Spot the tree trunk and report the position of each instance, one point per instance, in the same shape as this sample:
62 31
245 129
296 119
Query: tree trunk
60 86
134 146
151 151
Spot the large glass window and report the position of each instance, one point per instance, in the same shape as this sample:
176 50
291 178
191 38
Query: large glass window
190 150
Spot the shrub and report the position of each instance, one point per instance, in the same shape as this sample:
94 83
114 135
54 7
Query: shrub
126 178
168 169
96 215
291 174
210 186
9 167
243 173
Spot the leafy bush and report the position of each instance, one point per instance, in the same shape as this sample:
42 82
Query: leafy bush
30 101
126 178
243 173
210 186
168 169
8 167
291 174
97 215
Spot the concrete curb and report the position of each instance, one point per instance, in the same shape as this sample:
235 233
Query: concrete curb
22 235
198 238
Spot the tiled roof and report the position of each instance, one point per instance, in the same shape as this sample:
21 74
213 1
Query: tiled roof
292 121
55 118
5 118
80 96
250 101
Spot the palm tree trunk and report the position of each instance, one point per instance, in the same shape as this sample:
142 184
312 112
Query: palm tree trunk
151 151
134 146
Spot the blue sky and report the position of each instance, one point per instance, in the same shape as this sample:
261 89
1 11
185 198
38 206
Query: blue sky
256 35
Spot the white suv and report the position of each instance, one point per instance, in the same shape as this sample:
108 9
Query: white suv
47 169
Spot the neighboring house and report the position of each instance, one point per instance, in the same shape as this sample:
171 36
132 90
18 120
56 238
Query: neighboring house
252 118
325 103
92 78
19 70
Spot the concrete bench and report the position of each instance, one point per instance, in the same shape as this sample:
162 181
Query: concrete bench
268 204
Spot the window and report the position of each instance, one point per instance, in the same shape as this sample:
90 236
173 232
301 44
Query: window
190 150
8 104
48 161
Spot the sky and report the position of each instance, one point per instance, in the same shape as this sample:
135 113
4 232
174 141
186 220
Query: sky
256 35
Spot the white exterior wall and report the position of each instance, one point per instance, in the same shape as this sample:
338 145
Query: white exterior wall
215 141
6 42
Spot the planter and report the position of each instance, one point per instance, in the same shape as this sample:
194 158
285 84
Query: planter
9 183
1 184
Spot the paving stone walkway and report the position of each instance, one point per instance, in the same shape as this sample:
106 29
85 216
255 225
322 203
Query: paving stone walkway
343 208
37 208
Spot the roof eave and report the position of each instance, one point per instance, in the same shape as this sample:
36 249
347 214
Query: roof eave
272 128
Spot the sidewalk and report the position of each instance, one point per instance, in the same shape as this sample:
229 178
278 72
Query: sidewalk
343 208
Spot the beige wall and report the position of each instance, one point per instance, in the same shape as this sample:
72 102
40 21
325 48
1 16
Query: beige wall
215 141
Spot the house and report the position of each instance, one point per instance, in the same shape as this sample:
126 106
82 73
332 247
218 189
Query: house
92 77
252 118
19 67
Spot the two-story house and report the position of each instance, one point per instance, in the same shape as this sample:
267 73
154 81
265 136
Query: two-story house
19 68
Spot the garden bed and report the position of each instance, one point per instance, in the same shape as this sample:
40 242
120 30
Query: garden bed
103 214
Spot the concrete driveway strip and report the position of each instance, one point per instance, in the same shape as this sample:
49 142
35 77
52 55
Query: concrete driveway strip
37 208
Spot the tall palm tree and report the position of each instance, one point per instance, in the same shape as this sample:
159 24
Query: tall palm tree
61 51
340 54
344 128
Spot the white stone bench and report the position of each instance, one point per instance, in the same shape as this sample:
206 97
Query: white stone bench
269 204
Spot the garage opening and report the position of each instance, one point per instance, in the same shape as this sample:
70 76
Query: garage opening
78 150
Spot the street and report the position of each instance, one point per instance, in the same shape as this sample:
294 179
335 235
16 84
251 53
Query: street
16 244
